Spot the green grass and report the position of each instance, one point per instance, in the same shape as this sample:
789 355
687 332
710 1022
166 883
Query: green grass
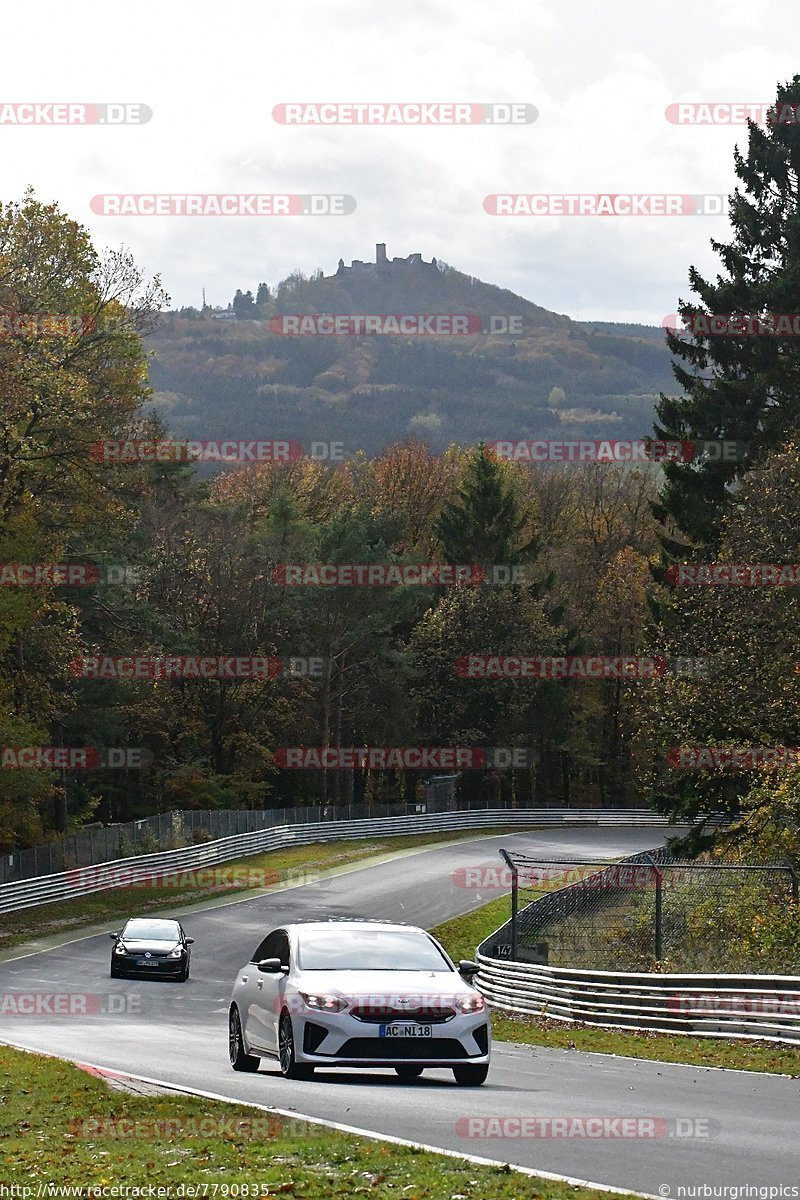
663 1047
461 937
44 1138
47 920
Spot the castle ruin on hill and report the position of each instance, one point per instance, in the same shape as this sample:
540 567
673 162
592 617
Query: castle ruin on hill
382 263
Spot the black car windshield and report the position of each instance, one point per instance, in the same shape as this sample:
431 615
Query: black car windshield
368 950
151 931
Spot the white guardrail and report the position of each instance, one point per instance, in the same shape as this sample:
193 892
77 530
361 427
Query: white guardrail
740 1006
128 872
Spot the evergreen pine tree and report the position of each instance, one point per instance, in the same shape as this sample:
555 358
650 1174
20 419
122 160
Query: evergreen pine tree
484 524
739 388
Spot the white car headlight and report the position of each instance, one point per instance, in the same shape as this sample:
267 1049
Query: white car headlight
120 950
176 953
324 1001
470 1004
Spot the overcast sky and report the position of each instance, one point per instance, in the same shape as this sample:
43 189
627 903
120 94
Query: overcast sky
600 75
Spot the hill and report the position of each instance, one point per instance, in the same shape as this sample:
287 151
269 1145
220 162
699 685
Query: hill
245 377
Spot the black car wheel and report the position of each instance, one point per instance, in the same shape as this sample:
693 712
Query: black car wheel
471 1074
240 1059
184 975
290 1068
408 1071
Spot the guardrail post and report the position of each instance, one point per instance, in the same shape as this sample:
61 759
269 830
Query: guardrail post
514 902
659 877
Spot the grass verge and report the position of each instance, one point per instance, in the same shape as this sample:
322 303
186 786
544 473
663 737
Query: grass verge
269 868
87 1135
663 1047
461 936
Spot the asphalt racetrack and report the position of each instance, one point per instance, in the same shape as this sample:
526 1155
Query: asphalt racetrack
739 1127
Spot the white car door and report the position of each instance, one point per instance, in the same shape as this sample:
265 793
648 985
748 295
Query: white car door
269 991
249 997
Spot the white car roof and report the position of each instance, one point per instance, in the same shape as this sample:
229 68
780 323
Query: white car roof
354 925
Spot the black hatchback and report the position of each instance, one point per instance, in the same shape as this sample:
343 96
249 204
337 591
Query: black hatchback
151 946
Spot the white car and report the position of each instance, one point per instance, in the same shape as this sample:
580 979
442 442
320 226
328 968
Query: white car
345 993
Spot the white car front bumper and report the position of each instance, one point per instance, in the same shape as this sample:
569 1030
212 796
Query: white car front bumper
339 1039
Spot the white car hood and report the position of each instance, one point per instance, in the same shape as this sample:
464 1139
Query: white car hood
384 986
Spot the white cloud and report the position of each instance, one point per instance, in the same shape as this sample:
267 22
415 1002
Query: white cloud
600 76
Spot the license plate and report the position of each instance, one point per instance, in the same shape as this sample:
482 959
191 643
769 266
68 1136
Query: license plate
147 962
392 1031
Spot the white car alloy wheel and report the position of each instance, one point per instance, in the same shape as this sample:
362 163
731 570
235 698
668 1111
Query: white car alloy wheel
290 1068
240 1059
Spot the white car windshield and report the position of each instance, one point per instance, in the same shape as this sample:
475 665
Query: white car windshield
368 950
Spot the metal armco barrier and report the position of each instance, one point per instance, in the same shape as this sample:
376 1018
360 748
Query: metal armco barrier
123 872
743 1006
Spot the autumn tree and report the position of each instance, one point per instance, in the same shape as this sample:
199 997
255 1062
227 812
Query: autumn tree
747 692
72 373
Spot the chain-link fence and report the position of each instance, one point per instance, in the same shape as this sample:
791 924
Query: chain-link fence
652 911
